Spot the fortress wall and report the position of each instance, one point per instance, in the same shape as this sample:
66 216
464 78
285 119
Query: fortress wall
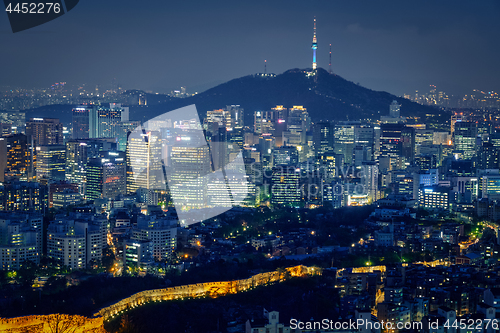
48 323
211 289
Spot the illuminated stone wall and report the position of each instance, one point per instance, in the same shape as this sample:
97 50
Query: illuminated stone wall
79 324
52 323
210 289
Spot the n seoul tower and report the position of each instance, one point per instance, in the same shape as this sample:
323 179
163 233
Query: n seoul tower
314 45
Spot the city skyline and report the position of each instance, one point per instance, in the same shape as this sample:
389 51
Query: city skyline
345 165
380 46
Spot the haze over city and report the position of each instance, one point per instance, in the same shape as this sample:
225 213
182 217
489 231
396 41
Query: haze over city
159 46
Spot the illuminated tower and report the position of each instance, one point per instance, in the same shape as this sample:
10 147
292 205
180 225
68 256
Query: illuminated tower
314 45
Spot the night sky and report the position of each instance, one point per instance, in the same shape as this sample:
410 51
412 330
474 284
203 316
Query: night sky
396 46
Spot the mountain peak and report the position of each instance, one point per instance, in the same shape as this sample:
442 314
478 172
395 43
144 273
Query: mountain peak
326 96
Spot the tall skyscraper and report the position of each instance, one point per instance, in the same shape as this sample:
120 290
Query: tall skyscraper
285 186
51 162
391 146
408 144
344 139
189 167
488 156
80 121
297 125
323 137
464 138
106 122
144 161
78 153
314 46
18 152
44 131
237 115
106 176
124 129
217 136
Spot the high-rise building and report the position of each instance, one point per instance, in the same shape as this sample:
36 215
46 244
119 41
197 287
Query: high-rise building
264 121
323 137
464 138
327 165
78 153
144 161
21 239
404 184
106 176
365 136
125 128
189 166
44 131
391 145
297 124
285 186
490 186
435 197
230 117
488 156
456 117
344 139
408 144
81 121
217 139
106 122
137 253
65 198
161 232
19 158
285 155
51 162
23 197
241 191
237 115
61 186
77 241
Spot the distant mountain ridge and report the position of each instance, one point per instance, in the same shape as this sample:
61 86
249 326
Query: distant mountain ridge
326 97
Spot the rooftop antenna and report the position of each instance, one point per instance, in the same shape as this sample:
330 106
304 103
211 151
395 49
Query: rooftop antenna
330 63
265 66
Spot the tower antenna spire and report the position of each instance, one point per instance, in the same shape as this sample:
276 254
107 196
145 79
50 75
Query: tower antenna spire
314 45
265 66
330 63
